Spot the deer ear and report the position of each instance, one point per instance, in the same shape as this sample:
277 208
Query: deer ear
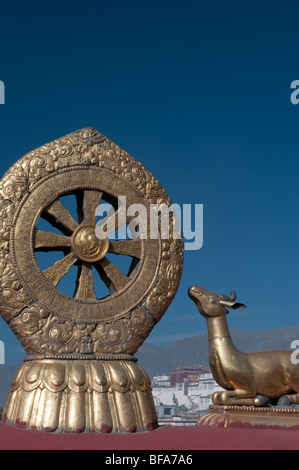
233 305
238 306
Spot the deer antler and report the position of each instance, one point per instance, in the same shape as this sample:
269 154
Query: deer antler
232 297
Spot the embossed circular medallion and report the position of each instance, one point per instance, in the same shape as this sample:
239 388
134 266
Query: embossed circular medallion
87 246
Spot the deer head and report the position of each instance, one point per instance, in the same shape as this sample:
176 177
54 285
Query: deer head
213 305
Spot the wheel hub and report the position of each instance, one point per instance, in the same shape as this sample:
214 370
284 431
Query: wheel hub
86 246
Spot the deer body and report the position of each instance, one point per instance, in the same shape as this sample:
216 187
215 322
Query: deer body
248 378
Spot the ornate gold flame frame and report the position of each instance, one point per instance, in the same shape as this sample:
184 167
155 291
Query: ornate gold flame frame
81 373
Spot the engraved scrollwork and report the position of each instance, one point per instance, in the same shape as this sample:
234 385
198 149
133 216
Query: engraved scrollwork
60 336
114 158
27 326
126 335
39 332
108 338
12 295
140 325
169 277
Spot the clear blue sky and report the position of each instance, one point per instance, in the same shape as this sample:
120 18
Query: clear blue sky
199 92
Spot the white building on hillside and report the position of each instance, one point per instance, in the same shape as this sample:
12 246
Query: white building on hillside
193 393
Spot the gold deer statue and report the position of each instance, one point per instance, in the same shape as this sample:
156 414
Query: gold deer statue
252 379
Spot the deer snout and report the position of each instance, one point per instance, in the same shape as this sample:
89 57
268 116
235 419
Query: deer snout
194 293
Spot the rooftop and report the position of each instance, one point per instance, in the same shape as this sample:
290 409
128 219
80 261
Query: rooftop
163 438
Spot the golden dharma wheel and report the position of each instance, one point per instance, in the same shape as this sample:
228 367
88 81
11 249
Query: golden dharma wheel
86 324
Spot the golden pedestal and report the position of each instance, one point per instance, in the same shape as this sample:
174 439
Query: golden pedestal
250 416
79 394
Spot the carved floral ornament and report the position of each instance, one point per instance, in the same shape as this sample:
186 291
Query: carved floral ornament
46 321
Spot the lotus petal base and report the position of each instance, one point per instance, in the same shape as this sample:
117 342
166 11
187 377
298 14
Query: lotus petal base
82 395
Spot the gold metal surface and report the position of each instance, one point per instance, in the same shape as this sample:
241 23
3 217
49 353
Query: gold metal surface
253 379
249 416
99 395
86 324
86 246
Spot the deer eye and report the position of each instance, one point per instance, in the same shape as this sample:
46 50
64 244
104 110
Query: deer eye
213 300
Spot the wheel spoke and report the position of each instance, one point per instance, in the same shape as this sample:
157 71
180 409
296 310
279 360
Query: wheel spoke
56 272
134 266
85 283
47 241
114 279
91 201
58 215
126 247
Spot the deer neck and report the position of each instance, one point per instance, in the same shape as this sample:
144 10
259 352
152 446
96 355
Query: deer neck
222 352
218 329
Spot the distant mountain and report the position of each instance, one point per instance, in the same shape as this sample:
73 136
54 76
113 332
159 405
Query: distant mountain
186 352
194 350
